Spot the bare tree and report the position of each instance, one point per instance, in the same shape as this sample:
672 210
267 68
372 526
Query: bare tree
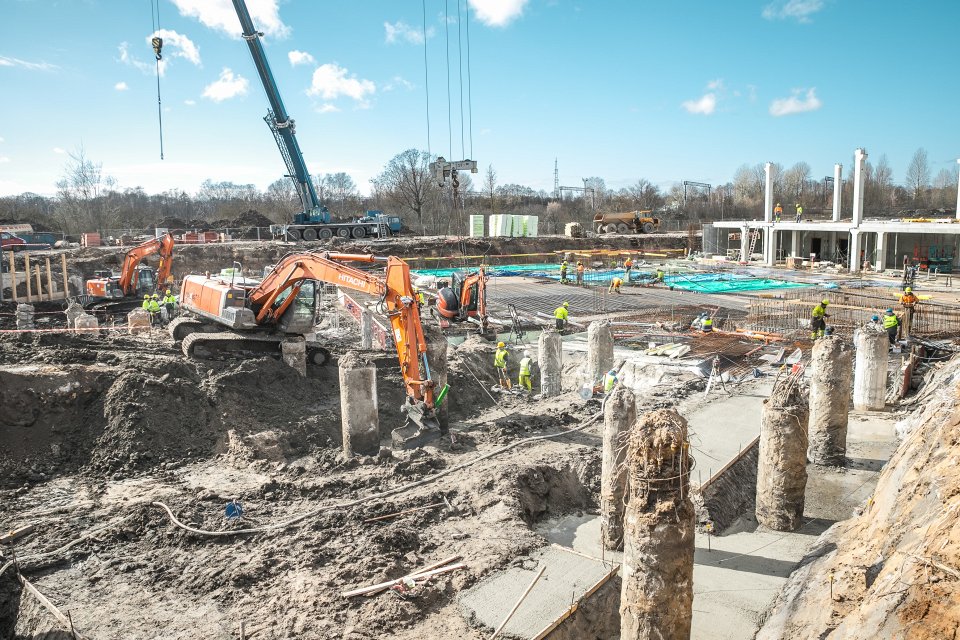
490 187
645 195
918 175
795 180
407 182
81 205
342 189
944 188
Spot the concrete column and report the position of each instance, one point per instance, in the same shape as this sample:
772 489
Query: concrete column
860 159
711 236
854 257
366 329
958 193
359 415
782 469
831 369
550 360
744 244
619 416
879 263
294 354
656 599
770 245
73 312
795 243
837 190
768 192
25 314
599 350
870 372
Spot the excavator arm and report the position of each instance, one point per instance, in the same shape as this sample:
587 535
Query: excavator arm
162 245
394 289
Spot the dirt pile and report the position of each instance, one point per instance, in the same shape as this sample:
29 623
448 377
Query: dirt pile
894 567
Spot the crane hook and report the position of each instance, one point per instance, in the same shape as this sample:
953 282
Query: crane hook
157 44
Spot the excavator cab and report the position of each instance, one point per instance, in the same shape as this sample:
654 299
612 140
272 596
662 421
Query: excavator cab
464 298
300 316
144 280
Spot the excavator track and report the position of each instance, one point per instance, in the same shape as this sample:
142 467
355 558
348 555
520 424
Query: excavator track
227 345
183 326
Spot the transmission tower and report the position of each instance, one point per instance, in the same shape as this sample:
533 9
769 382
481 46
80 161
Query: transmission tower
556 180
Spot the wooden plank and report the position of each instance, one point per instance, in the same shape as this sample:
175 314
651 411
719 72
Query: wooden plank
13 277
39 285
16 534
64 621
63 267
429 567
26 276
413 576
576 605
49 280
523 597
734 461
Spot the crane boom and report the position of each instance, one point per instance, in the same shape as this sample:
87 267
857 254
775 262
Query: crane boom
279 121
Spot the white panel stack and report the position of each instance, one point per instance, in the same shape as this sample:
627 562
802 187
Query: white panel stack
532 223
476 226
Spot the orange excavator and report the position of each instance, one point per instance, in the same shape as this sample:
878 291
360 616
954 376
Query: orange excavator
135 279
234 314
465 300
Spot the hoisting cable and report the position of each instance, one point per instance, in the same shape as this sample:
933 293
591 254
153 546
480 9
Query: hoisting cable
426 73
446 29
463 147
157 43
469 83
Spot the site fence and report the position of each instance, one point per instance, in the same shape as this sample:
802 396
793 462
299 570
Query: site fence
849 310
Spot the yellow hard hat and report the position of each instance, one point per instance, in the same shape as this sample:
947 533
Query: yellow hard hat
168 291
146 296
501 344
155 296
908 290
824 302
566 304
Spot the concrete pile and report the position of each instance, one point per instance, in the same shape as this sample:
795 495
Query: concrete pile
870 373
24 316
550 360
619 416
831 370
359 414
782 469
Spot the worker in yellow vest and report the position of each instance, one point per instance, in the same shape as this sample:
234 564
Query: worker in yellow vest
799 212
563 272
610 381
892 325
526 372
818 323
707 325
561 315
615 285
500 364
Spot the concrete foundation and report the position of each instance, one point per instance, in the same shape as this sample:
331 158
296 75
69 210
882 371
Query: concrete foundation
870 372
782 468
831 371
619 416
656 601
138 321
24 316
366 329
359 413
550 361
294 353
599 351
86 321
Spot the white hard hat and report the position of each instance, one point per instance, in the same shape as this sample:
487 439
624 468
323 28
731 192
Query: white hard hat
526 353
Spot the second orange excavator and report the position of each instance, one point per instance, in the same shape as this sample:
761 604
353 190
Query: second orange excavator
135 278
229 313
465 300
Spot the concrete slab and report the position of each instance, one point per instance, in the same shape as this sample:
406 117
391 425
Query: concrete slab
568 576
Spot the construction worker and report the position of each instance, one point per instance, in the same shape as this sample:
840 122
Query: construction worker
526 380
707 325
580 270
154 309
777 212
563 271
892 324
561 315
875 323
697 323
817 320
146 302
500 364
610 381
627 268
615 285
659 276
799 212
169 304
909 302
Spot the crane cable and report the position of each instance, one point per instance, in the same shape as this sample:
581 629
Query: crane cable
157 43
426 73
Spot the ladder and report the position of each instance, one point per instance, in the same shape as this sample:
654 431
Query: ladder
515 321
754 236
383 229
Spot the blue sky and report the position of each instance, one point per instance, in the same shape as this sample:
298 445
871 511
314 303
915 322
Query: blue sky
622 90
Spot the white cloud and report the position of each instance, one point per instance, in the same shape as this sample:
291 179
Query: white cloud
401 31
6 61
398 82
226 86
715 85
59 151
796 104
326 107
189 102
4 159
220 15
300 57
330 81
1 139
799 10
705 105
128 59
497 13
181 45
121 86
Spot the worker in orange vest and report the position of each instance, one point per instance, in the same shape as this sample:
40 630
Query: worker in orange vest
580 270
909 303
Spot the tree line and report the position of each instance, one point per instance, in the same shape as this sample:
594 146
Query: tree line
86 199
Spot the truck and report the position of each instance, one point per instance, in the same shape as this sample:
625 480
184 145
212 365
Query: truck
9 241
314 221
626 222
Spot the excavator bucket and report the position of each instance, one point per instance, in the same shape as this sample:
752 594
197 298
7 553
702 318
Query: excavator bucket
422 426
